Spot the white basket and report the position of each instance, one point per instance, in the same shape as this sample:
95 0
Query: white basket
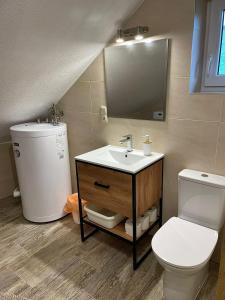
102 216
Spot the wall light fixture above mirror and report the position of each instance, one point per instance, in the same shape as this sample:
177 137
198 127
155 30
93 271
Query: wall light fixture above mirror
138 33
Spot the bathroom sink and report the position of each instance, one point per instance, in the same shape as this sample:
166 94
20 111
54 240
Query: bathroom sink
118 158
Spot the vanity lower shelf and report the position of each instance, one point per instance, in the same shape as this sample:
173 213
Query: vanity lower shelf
119 230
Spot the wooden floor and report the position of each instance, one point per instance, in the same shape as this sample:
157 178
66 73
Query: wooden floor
48 261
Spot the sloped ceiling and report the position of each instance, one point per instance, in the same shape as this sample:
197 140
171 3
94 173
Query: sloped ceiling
45 45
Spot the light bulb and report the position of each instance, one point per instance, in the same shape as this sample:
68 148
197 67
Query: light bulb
129 43
139 37
119 40
148 41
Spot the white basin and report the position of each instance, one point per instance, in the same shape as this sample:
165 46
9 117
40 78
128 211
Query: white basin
118 158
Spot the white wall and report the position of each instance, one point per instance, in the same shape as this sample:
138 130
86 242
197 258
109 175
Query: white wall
44 47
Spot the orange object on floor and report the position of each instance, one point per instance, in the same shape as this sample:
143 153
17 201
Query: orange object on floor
72 206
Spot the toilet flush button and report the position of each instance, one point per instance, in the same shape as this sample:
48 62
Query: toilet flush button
204 175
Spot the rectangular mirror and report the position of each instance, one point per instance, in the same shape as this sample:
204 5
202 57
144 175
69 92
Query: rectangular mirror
136 80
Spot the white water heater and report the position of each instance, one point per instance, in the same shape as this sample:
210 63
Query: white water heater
42 163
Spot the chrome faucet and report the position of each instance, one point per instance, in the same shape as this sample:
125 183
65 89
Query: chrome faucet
129 140
55 115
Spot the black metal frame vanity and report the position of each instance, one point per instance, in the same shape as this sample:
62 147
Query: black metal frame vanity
134 207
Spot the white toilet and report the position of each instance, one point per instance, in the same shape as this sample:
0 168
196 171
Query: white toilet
184 244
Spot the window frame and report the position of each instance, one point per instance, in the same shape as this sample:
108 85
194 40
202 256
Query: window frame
211 80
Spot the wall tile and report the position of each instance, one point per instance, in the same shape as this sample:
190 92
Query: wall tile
98 129
182 105
5 139
223 111
170 192
77 99
192 142
98 96
95 72
180 54
8 180
220 155
80 137
188 145
77 133
114 130
156 130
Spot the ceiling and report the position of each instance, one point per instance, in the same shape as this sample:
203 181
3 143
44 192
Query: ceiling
45 45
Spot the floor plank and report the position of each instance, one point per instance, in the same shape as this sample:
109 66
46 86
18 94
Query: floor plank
48 261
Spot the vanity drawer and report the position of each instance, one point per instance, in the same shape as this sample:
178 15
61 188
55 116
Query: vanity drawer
107 188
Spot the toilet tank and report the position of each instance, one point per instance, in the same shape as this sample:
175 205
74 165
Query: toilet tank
201 198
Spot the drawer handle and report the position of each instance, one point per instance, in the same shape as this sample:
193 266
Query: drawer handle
105 186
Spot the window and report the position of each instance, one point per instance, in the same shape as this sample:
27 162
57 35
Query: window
213 76
221 66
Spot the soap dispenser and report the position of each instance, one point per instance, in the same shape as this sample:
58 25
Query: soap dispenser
147 145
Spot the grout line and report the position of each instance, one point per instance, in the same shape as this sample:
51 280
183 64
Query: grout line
92 81
4 143
222 111
169 118
219 129
218 134
180 77
90 97
217 144
71 113
193 120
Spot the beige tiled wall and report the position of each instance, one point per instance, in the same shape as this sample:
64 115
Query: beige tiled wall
193 135
7 169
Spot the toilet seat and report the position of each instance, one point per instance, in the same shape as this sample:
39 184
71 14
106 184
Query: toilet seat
183 244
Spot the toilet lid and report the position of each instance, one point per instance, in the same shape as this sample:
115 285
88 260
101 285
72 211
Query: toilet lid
183 244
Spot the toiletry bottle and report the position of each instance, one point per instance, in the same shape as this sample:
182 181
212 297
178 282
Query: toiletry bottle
147 145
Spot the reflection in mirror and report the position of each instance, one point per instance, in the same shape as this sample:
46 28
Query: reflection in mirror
136 79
